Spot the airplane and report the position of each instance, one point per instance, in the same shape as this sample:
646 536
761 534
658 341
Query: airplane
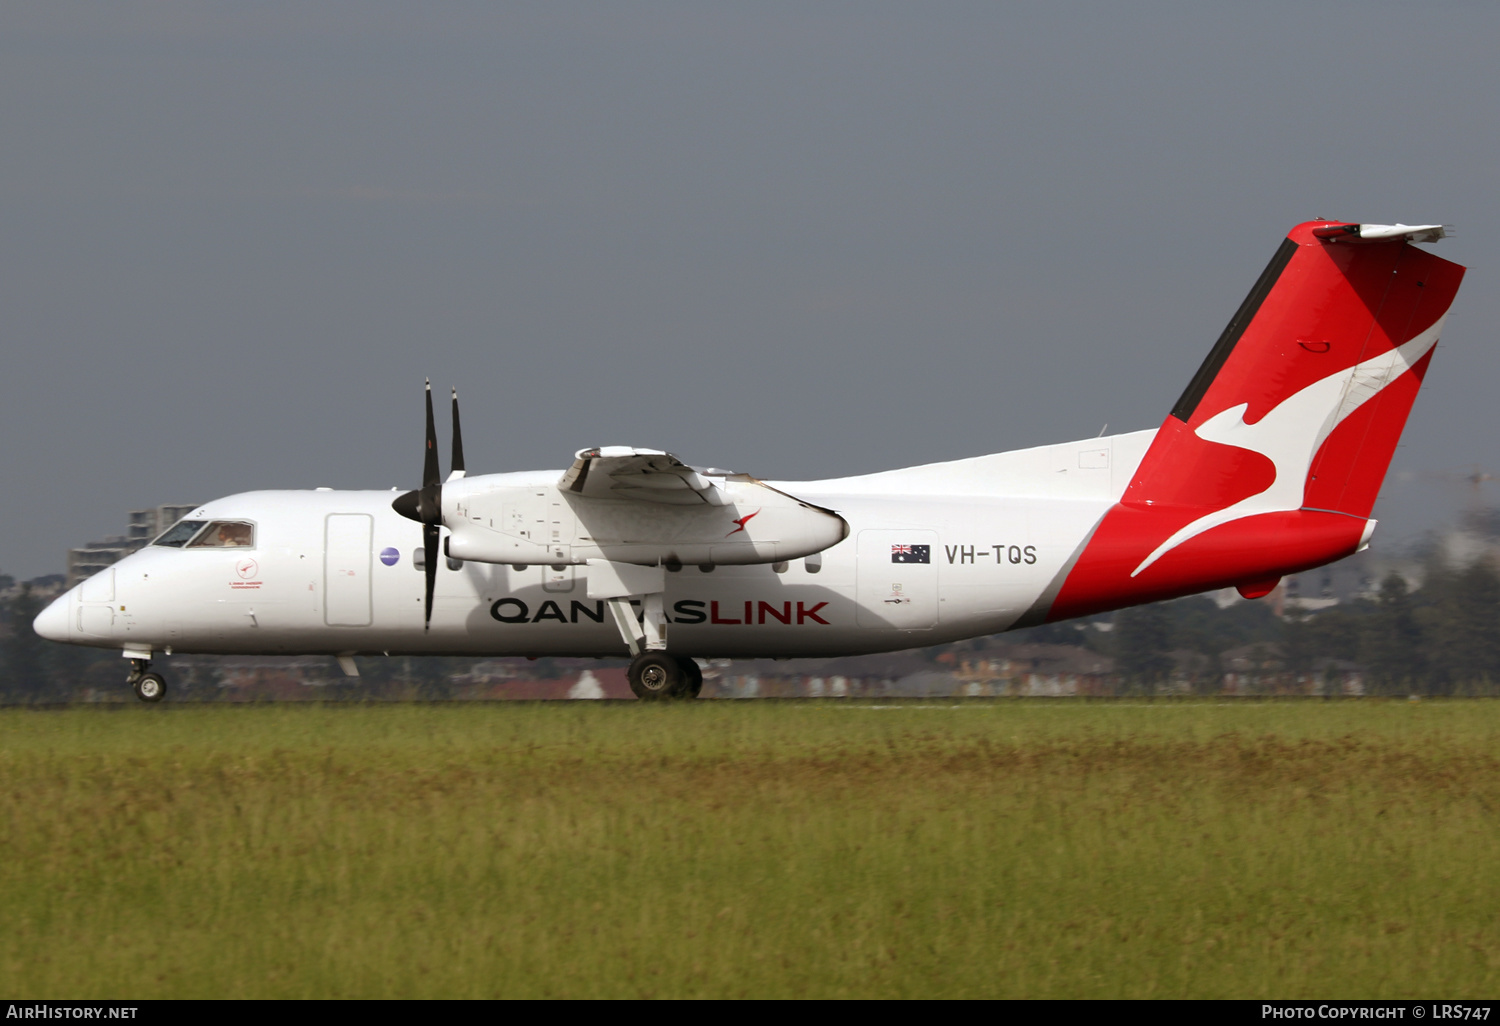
1267 465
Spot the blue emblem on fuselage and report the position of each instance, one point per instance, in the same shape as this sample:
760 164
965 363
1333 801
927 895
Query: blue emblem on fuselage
390 556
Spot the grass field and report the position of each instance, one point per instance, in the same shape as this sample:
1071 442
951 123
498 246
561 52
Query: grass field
584 849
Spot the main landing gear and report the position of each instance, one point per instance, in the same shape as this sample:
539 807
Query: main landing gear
149 687
653 674
656 675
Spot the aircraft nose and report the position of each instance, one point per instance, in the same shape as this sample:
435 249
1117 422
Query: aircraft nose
52 622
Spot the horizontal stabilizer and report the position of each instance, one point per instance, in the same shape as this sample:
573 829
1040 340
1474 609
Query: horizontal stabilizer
1382 232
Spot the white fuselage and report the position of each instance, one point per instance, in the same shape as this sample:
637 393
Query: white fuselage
333 572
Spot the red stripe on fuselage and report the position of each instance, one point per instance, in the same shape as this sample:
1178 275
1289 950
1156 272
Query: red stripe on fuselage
1256 548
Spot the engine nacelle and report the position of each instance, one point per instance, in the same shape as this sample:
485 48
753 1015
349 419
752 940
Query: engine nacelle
496 519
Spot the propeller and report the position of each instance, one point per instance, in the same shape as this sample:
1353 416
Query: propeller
425 505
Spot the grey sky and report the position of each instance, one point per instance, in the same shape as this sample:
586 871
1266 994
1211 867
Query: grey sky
797 239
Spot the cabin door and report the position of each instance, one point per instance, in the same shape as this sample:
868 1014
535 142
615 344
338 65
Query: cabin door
346 569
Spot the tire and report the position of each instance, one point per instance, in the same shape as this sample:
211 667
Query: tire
655 675
150 687
692 675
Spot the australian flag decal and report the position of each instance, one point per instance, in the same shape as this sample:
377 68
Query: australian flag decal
911 553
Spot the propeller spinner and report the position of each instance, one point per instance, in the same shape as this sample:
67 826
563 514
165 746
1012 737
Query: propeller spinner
425 505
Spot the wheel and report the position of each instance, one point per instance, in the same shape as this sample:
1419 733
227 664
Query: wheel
655 675
692 675
150 687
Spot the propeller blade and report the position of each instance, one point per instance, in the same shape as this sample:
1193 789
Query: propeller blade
456 471
430 498
430 546
430 462
425 505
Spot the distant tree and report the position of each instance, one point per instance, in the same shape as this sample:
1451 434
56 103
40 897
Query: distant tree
1301 645
404 677
22 676
1394 648
1311 639
1063 632
1461 622
1200 626
1245 623
436 675
70 669
1143 639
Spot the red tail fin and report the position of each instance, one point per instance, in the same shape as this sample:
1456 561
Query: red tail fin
1271 460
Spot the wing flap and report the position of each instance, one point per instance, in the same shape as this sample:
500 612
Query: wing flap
641 475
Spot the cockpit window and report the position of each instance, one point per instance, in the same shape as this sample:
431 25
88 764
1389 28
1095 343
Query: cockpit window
225 534
178 534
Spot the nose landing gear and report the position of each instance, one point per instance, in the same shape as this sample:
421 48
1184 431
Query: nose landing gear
152 687
149 687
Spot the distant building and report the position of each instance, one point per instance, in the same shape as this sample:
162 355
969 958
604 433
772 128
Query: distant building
144 525
43 588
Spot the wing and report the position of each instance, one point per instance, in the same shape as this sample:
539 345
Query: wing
642 475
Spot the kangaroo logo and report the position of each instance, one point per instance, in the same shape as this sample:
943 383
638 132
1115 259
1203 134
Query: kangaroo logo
742 521
1291 433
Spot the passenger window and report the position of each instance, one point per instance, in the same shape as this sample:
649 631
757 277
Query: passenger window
177 535
225 534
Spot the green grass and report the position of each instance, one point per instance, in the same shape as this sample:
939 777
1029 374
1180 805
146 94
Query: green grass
1007 849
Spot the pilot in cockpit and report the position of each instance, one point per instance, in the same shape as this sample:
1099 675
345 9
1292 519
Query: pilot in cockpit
234 534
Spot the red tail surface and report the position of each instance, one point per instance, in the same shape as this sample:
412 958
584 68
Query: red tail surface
1271 460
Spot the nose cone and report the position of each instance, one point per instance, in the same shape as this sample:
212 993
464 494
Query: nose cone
52 622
